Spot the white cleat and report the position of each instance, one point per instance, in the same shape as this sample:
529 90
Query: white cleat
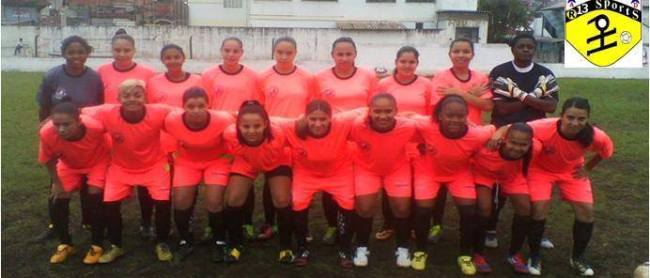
361 257
403 257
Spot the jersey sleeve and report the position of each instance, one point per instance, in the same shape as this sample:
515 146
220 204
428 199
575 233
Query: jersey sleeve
45 91
603 145
45 152
374 86
351 115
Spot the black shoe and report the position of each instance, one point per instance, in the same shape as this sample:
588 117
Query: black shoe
48 234
302 257
218 253
185 249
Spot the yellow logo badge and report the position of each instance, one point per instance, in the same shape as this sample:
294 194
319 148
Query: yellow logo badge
603 31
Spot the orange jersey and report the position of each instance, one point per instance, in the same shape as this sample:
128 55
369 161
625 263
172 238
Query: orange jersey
91 149
230 90
136 146
266 156
196 146
382 152
412 97
560 155
161 90
286 95
452 156
349 93
447 78
112 78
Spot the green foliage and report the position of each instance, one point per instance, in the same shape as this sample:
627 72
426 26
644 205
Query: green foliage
506 17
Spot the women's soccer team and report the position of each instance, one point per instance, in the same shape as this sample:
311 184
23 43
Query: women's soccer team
394 144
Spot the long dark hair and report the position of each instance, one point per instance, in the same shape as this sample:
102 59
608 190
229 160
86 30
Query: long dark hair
444 101
586 135
528 156
302 131
253 107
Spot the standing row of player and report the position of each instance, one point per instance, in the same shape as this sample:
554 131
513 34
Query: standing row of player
318 143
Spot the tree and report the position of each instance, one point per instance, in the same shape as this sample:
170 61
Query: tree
507 17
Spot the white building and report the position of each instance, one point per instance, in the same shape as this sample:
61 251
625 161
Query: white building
458 17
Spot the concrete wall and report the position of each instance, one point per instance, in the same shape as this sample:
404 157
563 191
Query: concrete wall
213 13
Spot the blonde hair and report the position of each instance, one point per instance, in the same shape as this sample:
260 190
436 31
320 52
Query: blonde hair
131 84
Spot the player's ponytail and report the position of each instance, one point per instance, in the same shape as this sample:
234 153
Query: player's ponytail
586 135
525 128
302 130
121 34
253 107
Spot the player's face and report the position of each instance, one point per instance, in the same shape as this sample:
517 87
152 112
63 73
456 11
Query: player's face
318 123
67 127
123 51
461 54
252 126
132 100
573 120
344 55
453 118
231 52
516 144
173 59
196 110
524 50
382 114
284 53
75 55
406 63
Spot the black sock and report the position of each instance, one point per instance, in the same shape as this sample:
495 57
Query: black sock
345 229
182 220
146 206
363 227
403 231
193 206
535 236
518 232
330 209
479 235
389 219
269 208
467 228
163 220
114 222
218 225
439 206
300 227
86 217
499 201
581 235
62 220
285 216
50 209
234 218
96 212
249 207
422 222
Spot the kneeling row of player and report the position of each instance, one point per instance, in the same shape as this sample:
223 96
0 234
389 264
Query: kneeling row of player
405 154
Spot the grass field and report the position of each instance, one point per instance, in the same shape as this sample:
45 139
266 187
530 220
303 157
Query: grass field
620 240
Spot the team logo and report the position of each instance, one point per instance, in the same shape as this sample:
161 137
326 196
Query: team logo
431 149
117 138
273 91
301 152
363 145
548 150
329 92
217 90
602 31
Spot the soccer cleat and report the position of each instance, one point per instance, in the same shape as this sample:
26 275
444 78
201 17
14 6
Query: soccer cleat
535 266
546 243
163 252
434 233
185 249
329 238
345 260
419 261
466 265
309 237
249 232
581 266
384 233
491 240
518 263
232 256
112 255
266 232
481 264
360 258
218 253
47 234
63 251
402 257
302 258
147 233
286 257
93 255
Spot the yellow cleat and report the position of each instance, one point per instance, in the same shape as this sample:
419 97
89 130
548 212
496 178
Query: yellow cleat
62 253
163 252
286 257
466 265
419 261
232 256
112 255
93 255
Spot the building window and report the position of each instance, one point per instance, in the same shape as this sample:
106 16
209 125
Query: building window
380 1
420 1
470 33
232 4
